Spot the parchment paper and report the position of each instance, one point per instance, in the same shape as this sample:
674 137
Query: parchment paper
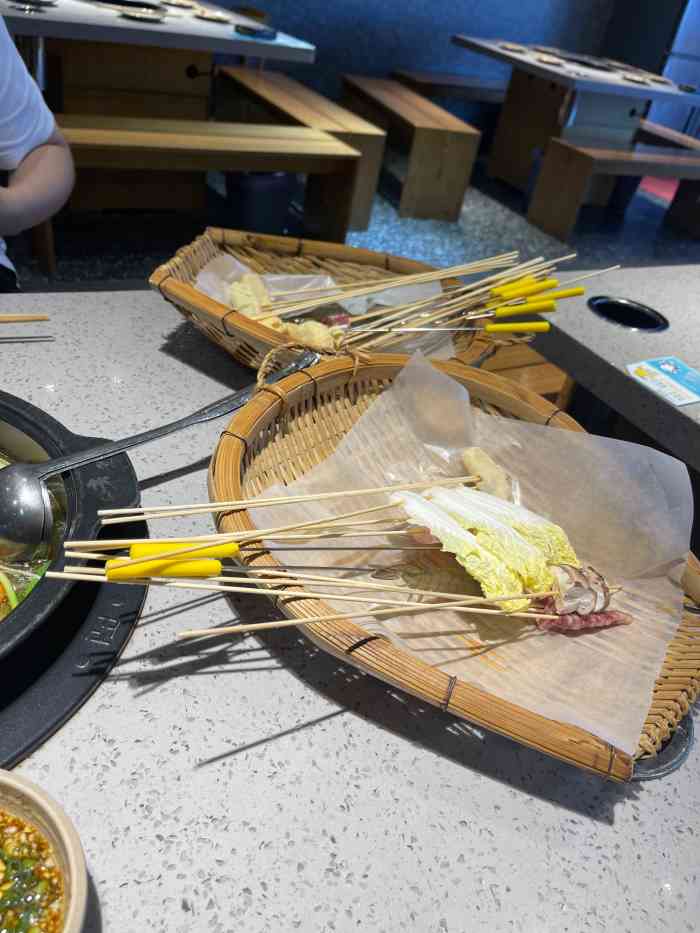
626 508
215 278
219 273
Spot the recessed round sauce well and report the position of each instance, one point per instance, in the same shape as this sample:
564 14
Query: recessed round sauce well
132 4
626 313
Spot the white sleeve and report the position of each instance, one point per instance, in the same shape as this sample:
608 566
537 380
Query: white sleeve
25 120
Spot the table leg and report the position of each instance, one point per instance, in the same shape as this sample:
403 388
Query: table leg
371 149
43 247
603 121
684 212
439 168
329 201
560 190
534 110
33 52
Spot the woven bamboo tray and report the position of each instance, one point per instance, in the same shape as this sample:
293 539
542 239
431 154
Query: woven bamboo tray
247 341
289 428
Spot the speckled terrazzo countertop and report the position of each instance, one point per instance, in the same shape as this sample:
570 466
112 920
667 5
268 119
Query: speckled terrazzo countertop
260 786
595 352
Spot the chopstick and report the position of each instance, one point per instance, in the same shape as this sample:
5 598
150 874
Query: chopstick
32 338
22 318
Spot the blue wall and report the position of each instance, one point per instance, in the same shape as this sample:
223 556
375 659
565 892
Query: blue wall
375 37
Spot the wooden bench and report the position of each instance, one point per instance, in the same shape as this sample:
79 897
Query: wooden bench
145 146
462 87
248 95
567 172
683 213
120 80
526 366
442 149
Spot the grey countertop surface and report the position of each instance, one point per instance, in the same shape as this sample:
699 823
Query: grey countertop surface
261 785
595 352
80 19
574 75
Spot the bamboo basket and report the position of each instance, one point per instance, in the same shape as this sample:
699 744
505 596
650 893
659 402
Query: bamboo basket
247 341
292 426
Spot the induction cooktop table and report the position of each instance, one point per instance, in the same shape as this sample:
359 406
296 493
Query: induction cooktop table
181 29
577 97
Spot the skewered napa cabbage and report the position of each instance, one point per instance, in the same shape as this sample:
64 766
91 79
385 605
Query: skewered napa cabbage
547 537
504 542
494 576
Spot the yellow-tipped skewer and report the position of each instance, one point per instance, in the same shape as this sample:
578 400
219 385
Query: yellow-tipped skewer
120 568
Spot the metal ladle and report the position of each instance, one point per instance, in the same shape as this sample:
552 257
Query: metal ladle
26 517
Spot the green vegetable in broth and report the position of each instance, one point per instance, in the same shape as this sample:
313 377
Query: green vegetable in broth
18 579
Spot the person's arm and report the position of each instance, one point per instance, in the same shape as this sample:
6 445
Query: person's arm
38 187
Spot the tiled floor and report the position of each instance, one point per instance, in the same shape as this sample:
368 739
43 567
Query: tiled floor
120 250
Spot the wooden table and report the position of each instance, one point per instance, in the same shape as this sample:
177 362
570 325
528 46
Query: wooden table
81 19
309 797
595 352
555 93
91 60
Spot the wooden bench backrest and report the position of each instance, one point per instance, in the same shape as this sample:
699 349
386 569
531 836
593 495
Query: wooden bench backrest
297 102
405 105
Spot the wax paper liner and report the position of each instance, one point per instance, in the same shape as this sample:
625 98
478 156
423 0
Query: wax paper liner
626 508
217 275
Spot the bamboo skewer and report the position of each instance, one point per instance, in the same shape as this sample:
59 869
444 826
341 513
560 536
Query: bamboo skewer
468 605
281 532
284 578
119 544
452 304
339 286
522 327
292 308
214 586
472 297
416 279
589 275
476 288
238 504
330 525
336 617
379 283
449 292
448 309
301 577
86 555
